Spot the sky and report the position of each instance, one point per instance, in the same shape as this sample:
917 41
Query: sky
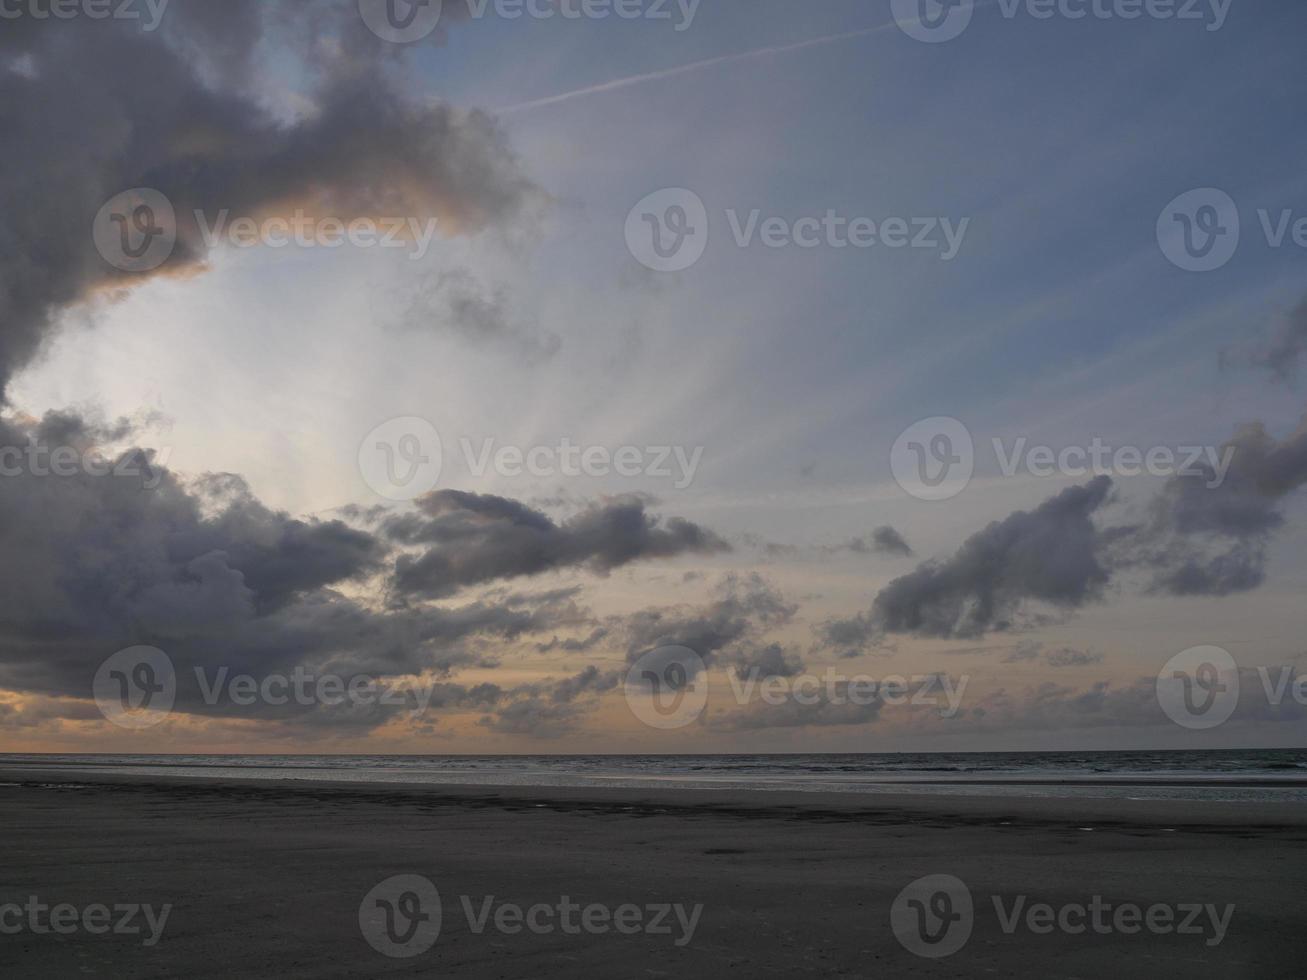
859 376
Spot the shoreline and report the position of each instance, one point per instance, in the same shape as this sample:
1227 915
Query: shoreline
882 806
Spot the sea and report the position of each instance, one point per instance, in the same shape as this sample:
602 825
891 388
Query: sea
1227 774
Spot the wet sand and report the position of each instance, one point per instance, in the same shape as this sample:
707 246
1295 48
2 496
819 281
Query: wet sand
266 878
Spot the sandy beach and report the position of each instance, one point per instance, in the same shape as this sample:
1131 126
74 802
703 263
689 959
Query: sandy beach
268 878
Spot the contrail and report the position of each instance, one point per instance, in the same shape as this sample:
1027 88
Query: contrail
693 66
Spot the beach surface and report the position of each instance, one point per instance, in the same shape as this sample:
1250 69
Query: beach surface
267 878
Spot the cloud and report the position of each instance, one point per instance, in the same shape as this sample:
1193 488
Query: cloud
744 607
761 662
1199 538
106 107
1282 352
551 709
1028 651
457 302
883 540
91 564
1206 532
94 562
1104 704
475 538
1049 554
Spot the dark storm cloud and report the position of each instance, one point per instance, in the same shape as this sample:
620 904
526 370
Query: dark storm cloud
552 708
1050 554
1204 533
761 662
742 608
91 564
883 540
1204 539
103 107
476 538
